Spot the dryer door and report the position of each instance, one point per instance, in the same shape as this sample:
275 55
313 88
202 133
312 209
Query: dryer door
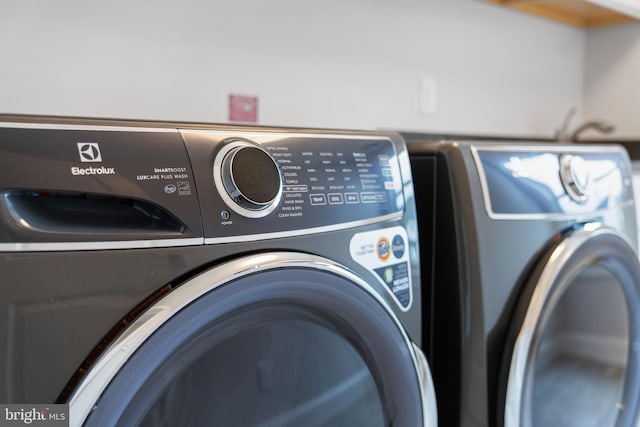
576 348
277 339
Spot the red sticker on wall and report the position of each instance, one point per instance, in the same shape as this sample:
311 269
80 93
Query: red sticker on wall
243 108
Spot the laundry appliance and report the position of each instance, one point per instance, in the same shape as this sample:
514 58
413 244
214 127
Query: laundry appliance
531 277
186 274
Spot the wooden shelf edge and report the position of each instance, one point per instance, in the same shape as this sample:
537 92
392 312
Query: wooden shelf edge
578 13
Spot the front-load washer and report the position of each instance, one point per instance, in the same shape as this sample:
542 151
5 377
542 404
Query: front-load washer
530 252
174 274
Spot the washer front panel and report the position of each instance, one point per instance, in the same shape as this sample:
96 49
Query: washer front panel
155 318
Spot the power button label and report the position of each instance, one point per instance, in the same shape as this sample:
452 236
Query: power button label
385 254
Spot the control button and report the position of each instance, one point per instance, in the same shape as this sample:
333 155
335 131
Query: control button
336 199
389 185
248 178
351 198
225 215
574 175
295 189
318 199
368 197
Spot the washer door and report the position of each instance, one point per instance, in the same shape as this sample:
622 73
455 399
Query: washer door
272 340
576 352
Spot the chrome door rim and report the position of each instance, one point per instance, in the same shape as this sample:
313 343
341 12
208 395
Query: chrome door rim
546 294
109 364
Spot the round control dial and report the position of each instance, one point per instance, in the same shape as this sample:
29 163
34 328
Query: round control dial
248 179
574 174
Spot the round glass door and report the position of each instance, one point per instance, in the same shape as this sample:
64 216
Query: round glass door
581 363
275 373
575 359
294 346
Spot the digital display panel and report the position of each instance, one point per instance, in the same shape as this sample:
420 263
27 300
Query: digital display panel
256 175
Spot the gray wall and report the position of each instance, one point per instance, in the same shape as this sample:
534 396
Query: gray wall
612 77
330 63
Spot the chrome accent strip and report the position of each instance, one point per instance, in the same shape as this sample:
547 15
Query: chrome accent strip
302 231
429 405
94 246
266 135
484 186
169 243
475 153
555 148
221 129
575 217
108 365
547 292
60 126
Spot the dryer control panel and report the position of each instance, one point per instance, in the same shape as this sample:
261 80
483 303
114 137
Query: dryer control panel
266 183
553 181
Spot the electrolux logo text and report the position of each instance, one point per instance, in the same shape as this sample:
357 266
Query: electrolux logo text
90 152
34 415
93 171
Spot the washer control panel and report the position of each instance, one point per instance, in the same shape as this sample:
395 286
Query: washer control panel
262 183
110 185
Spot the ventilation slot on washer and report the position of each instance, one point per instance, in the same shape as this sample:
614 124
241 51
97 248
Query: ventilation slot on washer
85 213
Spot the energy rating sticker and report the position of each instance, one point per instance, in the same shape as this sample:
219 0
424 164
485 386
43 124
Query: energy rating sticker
385 254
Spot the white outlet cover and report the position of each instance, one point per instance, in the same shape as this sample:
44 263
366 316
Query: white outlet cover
427 96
